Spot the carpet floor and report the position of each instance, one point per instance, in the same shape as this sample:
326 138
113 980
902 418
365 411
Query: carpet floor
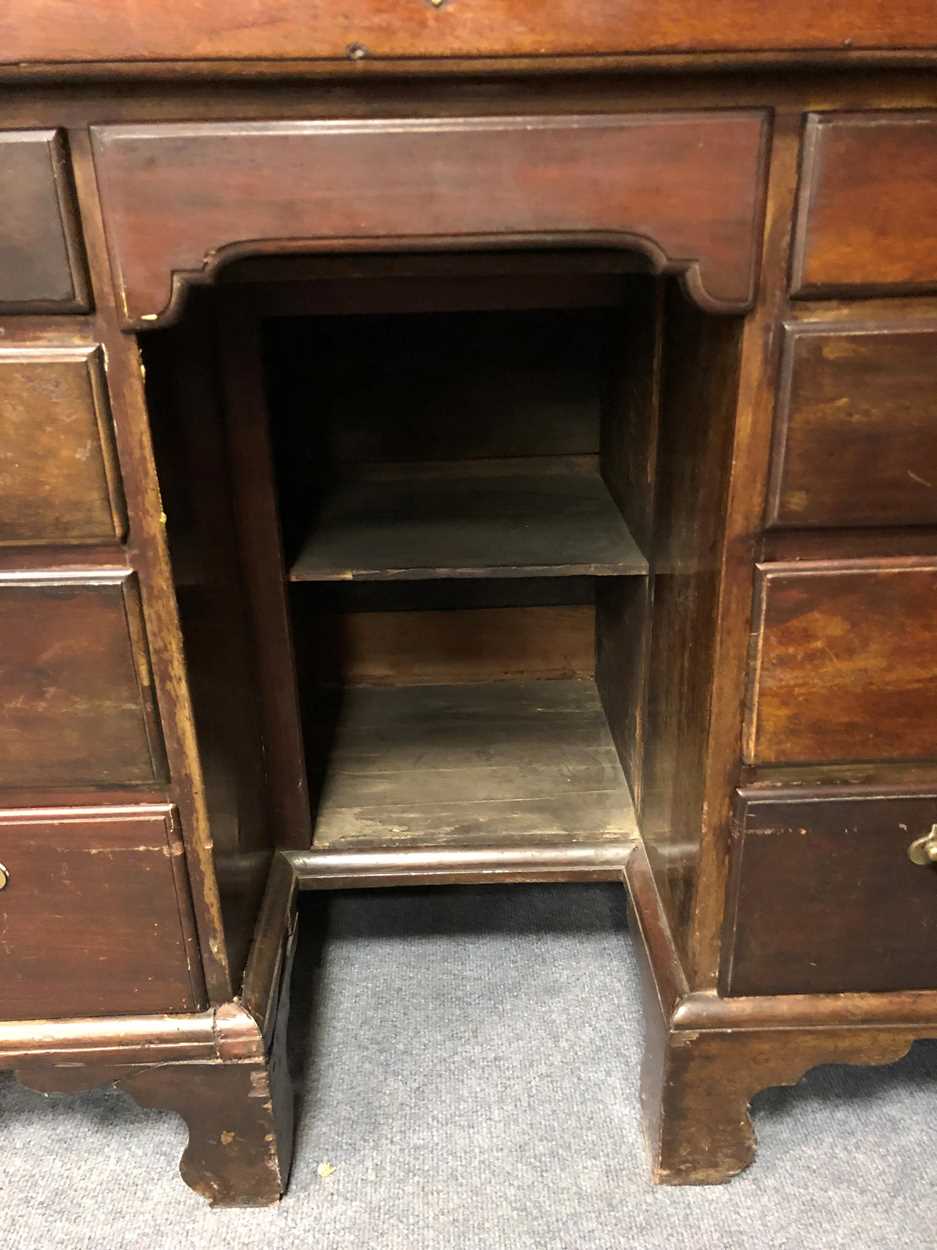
469 1062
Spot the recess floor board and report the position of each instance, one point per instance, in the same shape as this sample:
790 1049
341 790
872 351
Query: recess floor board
508 762
540 520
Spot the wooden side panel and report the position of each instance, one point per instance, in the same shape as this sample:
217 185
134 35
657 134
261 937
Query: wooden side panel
868 204
75 684
96 917
628 461
58 472
41 262
191 455
857 427
173 30
225 188
700 381
825 900
845 662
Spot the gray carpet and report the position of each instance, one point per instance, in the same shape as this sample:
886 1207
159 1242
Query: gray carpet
471 1061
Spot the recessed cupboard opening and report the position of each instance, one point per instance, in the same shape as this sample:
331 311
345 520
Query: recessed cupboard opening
435 518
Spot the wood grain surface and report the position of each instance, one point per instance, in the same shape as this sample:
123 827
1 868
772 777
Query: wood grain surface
844 669
59 480
467 765
857 427
59 30
867 218
75 683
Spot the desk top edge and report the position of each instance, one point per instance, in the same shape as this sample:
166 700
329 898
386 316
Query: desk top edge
296 37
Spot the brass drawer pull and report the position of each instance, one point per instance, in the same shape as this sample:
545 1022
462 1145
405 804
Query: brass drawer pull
4 877
923 851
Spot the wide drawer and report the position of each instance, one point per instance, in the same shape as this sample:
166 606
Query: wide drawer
856 440
686 188
95 916
75 682
42 266
867 219
844 662
58 473
824 898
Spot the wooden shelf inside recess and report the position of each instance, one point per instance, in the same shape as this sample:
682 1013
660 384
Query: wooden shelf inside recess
540 517
503 763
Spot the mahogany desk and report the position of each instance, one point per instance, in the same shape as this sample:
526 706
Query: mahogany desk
456 442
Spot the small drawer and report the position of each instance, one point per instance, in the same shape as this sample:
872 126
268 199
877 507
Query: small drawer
95 914
867 217
42 266
58 470
844 662
825 899
75 684
856 440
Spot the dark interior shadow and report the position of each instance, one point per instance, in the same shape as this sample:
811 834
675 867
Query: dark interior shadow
464 910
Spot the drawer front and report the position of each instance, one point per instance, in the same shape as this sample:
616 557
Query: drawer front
824 898
75 684
95 916
58 474
867 218
856 428
42 267
223 187
844 668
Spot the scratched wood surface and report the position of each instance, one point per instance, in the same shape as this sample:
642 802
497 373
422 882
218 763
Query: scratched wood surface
856 439
466 765
845 662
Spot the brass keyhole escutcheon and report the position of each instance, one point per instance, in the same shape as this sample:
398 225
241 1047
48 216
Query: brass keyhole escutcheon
923 851
4 877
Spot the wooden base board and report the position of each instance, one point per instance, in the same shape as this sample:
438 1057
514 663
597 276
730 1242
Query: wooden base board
224 1071
706 1057
502 865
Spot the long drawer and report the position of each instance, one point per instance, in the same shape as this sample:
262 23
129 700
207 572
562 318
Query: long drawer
95 914
825 899
224 188
844 662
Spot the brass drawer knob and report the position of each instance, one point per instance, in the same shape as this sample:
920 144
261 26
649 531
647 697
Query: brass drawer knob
4 878
923 851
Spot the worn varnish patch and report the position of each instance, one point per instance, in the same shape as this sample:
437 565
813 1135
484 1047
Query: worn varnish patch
463 765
